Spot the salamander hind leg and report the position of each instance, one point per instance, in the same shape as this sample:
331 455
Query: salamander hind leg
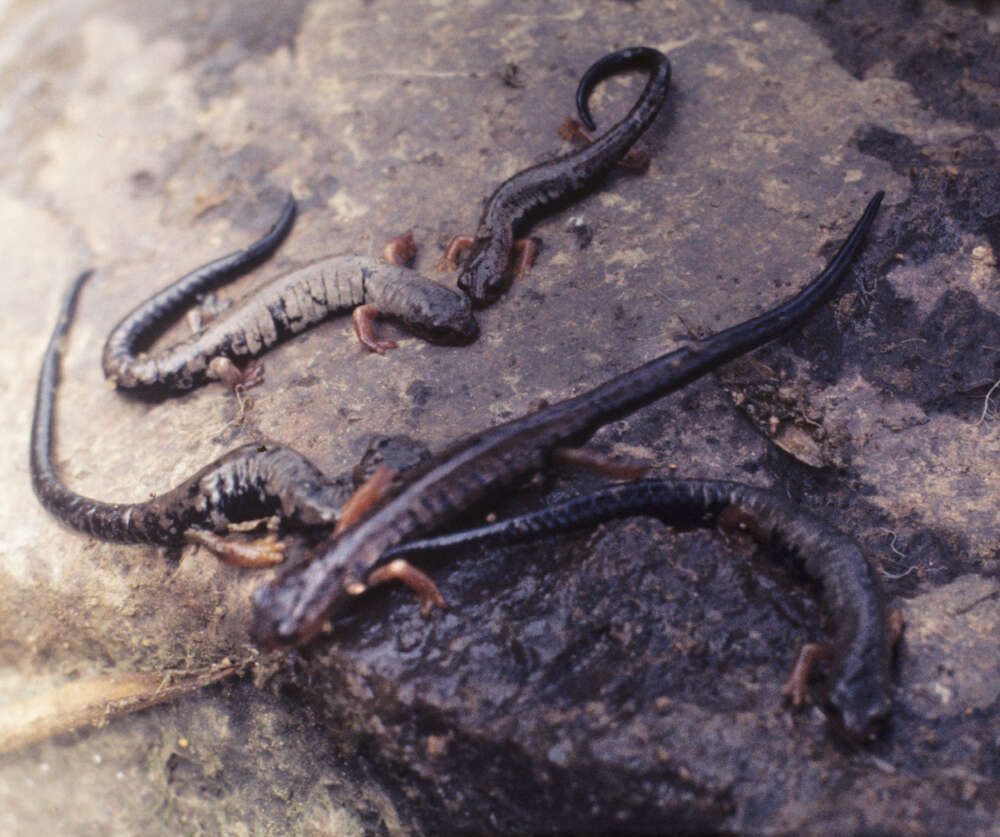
223 369
210 307
400 250
261 552
636 159
525 249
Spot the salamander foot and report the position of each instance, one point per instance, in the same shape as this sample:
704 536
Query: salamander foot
420 583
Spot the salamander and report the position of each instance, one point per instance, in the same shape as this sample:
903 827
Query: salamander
294 606
248 483
486 270
859 696
287 305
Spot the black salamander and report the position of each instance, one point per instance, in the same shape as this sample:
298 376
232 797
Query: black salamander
248 483
287 305
295 606
859 695
487 267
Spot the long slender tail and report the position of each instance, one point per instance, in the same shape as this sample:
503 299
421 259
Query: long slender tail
249 482
642 58
683 504
622 395
148 317
859 696
47 485
755 332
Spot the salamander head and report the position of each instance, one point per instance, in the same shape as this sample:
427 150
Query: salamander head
270 627
302 600
859 703
281 617
483 278
440 315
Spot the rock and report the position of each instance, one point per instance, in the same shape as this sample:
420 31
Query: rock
628 678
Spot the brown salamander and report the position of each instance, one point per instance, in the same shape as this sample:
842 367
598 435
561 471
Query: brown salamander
859 695
488 264
294 606
286 305
248 483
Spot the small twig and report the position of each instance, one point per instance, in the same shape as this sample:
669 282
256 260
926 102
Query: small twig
896 345
892 546
94 701
895 576
986 403
892 542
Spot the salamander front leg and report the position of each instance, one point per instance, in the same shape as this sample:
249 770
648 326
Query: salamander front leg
525 250
604 465
420 583
796 687
262 552
363 319
365 496
400 251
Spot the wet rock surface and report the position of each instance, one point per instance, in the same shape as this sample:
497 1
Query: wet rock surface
624 678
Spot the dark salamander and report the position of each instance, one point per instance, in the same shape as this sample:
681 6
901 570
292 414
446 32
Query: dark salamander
859 695
487 267
248 483
293 608
287 305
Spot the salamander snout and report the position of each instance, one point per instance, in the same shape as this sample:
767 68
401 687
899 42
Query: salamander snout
297 604
279 620
482 281
441 315
454 326
859 707
267 628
